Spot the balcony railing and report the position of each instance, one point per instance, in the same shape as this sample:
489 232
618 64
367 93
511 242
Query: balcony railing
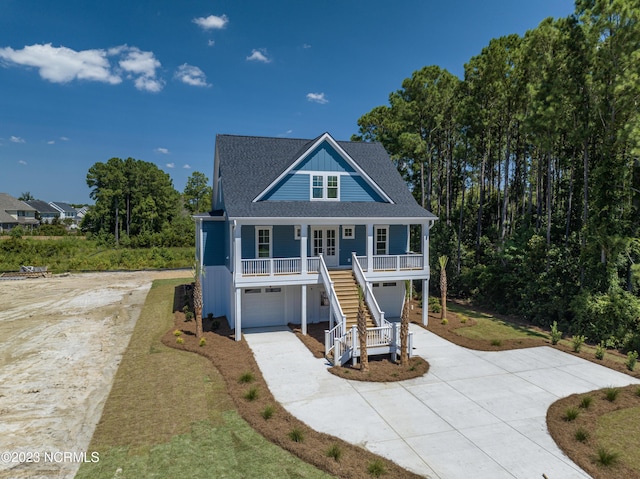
392 262
288 266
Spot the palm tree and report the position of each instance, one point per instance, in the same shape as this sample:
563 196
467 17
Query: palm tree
404 326
443 260
197 299
362 332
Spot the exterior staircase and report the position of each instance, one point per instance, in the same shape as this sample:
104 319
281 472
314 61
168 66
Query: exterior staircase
346 287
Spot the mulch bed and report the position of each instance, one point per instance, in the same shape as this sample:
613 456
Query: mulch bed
381 368
584 453
234 359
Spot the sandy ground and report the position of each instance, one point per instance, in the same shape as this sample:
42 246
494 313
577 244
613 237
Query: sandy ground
61 341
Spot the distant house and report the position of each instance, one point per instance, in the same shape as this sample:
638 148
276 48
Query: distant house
297 225
44 210
65 210
14 212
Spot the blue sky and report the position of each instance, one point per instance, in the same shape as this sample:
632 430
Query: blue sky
82 82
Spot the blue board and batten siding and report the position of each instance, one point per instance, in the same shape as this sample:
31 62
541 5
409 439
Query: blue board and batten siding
296 186
214 244
398 239
357 245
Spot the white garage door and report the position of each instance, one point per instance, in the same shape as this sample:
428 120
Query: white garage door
262 307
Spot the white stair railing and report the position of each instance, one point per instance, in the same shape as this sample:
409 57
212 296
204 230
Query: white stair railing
369 297
335 310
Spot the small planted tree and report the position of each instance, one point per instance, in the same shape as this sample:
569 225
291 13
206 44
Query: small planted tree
404 326
443 260
362 332
197 299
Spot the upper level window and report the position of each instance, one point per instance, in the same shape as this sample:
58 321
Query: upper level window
263 242
324 187
382 240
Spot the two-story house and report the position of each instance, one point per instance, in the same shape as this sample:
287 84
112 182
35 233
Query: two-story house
14 212
297 225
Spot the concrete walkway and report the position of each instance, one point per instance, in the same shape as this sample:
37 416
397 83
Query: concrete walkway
475 414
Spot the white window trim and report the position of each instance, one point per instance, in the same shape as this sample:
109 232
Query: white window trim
325 185
353 232
270 228
375 239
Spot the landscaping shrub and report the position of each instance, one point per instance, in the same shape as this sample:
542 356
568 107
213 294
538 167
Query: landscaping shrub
605 457
556 335
632 358
578 341
177 333
246 377
581 435
203 342
267 412
600 350
376 468
586 402
251 394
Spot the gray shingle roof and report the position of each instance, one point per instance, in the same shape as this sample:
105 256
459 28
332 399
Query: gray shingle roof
250 164
42 206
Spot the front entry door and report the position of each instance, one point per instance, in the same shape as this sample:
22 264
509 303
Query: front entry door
325 243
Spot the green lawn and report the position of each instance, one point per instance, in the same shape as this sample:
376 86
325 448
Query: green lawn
490 327
168 415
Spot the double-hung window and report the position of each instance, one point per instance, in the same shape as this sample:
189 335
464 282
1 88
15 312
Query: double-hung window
263 242
324 187
382 240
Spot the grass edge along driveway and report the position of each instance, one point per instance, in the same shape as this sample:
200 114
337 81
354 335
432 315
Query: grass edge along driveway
168 414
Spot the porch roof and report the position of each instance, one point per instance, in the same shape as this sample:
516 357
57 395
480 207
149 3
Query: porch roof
248 165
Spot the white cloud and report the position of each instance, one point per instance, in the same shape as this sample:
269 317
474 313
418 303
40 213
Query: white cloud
286 133
162 151
317 98
22 162
51 142
191 75
212 22
63 65
187 166
171 165
211 43
306 46
64 138
259 55
17 139
143 64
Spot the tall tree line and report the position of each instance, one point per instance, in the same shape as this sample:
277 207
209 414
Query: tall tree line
531 161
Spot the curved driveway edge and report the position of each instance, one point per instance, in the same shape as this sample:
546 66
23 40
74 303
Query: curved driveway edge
475 413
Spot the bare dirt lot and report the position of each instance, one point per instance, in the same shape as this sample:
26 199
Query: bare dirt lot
61 341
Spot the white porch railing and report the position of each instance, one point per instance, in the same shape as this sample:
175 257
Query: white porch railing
277 266
369 297
393 262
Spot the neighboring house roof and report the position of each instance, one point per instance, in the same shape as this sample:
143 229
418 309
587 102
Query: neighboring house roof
63 207
82 211
9 203
42 206
249 165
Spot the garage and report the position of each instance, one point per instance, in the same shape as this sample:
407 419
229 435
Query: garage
263 307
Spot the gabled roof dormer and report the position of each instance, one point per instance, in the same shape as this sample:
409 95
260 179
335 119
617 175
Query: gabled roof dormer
323 171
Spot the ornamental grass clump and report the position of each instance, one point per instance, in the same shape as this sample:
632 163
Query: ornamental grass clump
179 340
605 457
335 451
267 412
581 435
246 377
376 468
600 350
296 435
570 414
611 394
177 333
586 402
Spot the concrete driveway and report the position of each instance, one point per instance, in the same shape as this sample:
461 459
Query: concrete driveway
475 414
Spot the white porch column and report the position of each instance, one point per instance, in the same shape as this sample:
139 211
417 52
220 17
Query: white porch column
303 253
238 325
425 246
304 307
237 249
425 302
369 248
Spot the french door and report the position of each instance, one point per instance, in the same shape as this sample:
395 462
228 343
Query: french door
325 243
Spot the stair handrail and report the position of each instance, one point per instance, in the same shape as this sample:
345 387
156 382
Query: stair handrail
336 309
369 297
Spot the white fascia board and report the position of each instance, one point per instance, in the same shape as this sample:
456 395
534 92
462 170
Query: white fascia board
325 137
314 221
